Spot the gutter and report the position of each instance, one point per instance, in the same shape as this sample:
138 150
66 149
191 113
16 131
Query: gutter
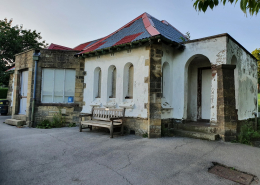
36 59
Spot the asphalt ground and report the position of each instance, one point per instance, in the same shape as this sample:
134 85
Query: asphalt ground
67 156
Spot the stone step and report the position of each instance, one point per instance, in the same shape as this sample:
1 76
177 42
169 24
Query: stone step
198 135
15 122
19 117
197 128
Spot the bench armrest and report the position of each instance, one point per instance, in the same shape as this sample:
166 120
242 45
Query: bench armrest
84 114
111 119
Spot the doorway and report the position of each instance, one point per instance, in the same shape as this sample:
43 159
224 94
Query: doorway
23 92
199 78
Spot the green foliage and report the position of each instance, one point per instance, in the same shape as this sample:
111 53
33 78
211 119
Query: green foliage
3 93
57 121
256 54
45 124
72 125
15 39
252 6
4 77
145 135
247 134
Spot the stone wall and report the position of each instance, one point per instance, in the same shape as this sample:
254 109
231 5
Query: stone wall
60 60
138 125
48 59
155 91
23 61
226 107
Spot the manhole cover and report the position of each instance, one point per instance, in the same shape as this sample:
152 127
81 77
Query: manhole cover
231 174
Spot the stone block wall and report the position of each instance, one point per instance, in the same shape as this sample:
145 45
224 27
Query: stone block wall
155 91
60 60
23 61
226 105
48 59
138 125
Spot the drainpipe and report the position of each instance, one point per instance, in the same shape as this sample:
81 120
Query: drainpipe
36 59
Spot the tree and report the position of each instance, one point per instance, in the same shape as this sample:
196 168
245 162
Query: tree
13 40
253 6
256 54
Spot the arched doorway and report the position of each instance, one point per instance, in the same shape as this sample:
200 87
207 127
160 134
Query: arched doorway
199 77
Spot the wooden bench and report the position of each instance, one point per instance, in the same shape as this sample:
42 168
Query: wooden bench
104 117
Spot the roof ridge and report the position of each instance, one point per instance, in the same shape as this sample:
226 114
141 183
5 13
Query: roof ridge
149 25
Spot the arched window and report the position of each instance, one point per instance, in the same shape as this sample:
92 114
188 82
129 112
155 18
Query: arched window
97 82
166 80
129 81
111 82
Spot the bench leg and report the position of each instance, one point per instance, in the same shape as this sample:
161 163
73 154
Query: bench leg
122 130
80 127
90 127
111 131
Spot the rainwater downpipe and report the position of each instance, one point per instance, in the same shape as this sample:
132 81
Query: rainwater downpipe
35 58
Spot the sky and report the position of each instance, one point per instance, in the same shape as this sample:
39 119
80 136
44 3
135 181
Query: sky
72 22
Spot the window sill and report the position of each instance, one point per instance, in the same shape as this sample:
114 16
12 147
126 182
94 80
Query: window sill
59 104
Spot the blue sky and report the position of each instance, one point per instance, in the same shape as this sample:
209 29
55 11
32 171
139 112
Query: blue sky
72 22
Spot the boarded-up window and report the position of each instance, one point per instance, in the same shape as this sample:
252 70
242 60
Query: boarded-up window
57 85
97 83
166 80
111 82
129 81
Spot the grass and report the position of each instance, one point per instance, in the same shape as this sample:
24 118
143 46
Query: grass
258 97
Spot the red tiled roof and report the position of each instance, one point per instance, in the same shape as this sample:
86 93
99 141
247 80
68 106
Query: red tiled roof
81 46
94 47
11 69
144 26
58 47
127 39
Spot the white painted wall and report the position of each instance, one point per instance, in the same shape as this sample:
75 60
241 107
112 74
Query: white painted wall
215 50
246 80
140 92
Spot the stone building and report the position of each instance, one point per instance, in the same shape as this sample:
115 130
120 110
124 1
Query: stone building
47 81
163 80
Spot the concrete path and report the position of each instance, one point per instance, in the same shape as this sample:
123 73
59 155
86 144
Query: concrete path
65 156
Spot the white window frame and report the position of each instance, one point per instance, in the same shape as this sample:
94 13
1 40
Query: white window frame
54 85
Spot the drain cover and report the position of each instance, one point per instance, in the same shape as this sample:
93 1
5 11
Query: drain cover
231 174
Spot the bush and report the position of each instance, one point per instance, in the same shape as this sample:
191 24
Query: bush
247 134
3 93
57 121
45 124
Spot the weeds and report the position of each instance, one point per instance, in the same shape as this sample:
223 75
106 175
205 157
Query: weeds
72 125
57 121
145 135
247 134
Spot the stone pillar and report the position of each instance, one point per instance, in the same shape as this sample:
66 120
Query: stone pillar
226 103
154 91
